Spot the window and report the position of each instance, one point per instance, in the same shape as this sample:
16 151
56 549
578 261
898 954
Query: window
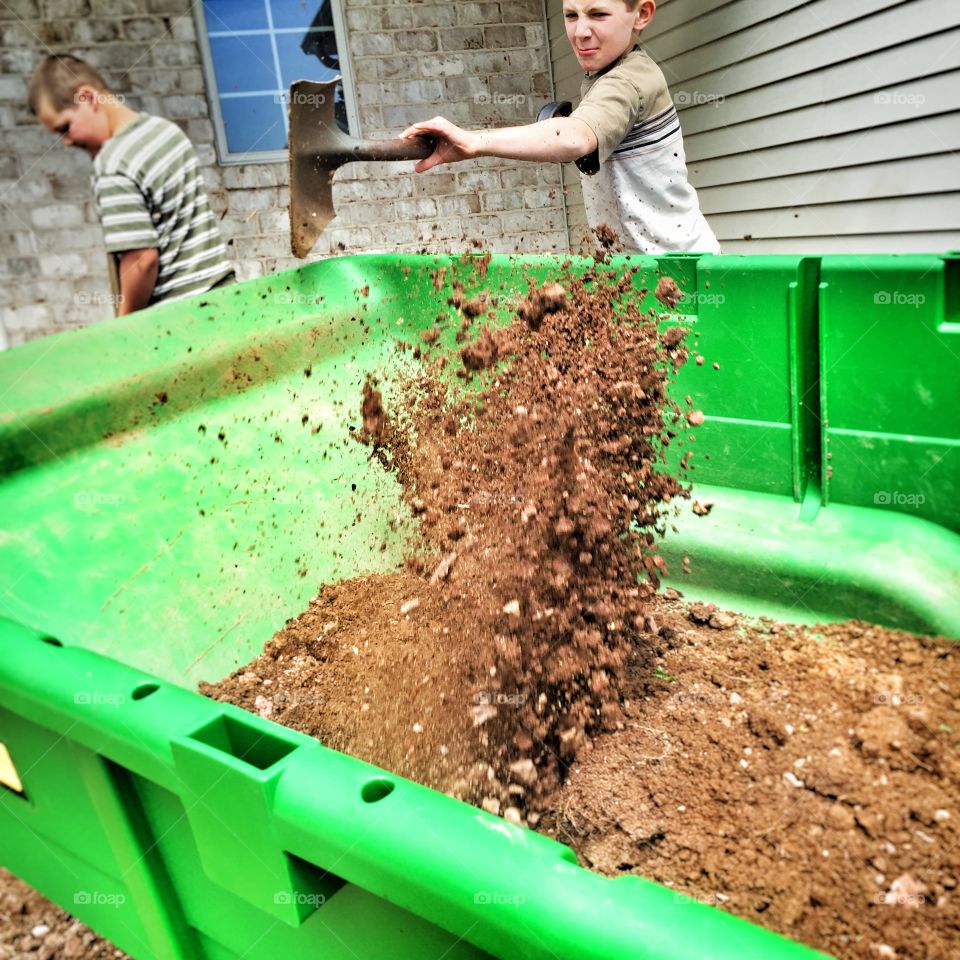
252 51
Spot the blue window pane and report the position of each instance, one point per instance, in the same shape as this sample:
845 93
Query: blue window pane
235 15
297 13
254 123
243 63
296 65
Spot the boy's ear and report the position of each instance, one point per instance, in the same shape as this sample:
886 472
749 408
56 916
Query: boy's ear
645 11
86 94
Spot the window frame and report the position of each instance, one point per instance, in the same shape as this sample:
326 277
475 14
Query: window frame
224 156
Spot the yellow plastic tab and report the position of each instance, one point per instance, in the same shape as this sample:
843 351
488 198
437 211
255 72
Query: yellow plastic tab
8 772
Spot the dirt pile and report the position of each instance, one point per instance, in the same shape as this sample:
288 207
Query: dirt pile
540 503
803 779
540 496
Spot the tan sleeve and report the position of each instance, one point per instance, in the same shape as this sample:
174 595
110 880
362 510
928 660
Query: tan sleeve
610 108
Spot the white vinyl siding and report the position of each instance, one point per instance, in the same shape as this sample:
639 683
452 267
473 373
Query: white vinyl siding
812 127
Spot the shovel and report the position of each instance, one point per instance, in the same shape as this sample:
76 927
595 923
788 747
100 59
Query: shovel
317 148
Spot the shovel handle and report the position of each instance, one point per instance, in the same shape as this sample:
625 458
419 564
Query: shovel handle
415 148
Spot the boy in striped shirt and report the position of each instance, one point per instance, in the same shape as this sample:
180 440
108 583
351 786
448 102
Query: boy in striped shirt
624 136
149 191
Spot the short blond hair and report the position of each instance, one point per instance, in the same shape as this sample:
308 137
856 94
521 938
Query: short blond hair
58 77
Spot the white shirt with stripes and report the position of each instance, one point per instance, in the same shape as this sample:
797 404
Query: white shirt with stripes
150 195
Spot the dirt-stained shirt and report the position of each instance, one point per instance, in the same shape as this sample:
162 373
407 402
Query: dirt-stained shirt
636 182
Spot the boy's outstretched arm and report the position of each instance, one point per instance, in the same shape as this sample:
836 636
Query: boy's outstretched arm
560 140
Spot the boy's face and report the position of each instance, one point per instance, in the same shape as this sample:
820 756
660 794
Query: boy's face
602 30
83 124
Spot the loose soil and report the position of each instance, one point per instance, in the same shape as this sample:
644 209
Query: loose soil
31 926
802 778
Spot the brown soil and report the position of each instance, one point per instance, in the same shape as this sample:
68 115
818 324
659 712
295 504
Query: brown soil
803 779
32 927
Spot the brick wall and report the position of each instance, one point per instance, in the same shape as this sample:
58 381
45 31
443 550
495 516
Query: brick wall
476 62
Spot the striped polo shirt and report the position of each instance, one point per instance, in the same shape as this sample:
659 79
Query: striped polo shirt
150 194
635 182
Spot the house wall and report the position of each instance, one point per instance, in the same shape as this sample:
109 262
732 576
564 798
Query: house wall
811 127
474 61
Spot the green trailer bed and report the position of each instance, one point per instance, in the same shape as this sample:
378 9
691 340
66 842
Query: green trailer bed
176 484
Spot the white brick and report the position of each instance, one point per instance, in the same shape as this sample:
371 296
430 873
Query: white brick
56 216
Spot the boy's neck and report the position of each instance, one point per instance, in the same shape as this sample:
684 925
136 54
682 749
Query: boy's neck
119 116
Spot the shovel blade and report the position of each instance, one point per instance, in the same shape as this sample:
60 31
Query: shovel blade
315 153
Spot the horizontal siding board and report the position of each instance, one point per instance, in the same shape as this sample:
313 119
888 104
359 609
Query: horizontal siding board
899 215
678 13
913 177
929 96
898 66
917 137
891 28
826 30
681 38
931 242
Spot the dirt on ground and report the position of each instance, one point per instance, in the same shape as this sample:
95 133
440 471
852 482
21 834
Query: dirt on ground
31 926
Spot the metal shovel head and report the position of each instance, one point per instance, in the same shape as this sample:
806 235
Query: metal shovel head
317 148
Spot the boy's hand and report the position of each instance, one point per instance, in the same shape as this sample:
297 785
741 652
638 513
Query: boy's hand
453 143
